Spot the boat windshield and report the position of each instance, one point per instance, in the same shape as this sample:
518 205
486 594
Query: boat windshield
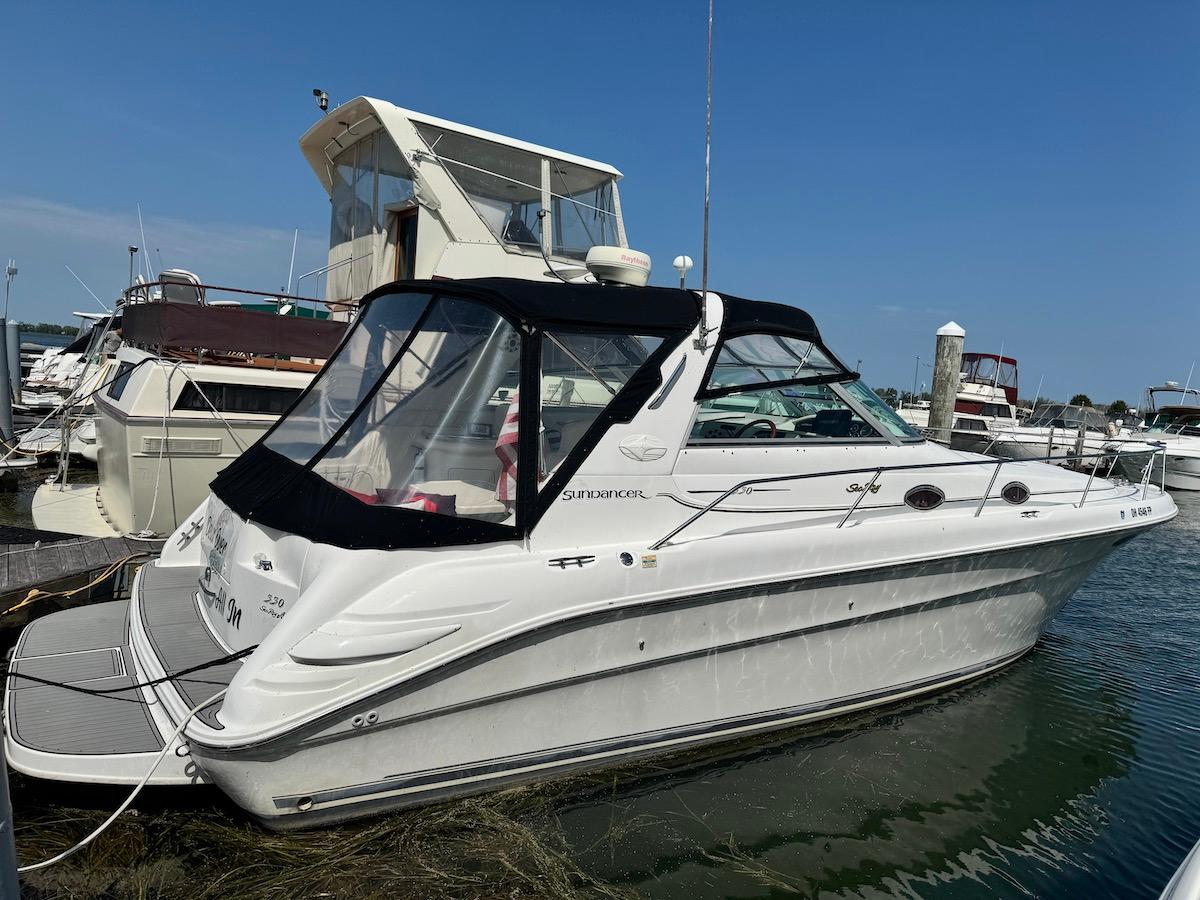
1057 415
417 411
1177 420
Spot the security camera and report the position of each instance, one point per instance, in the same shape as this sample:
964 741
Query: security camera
322 99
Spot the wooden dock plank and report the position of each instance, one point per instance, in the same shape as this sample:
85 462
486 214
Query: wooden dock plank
22 568
47 563
94 553
72 556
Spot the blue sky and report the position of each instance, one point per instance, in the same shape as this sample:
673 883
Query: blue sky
1029 169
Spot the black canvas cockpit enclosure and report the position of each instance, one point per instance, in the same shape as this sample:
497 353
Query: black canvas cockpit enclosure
428 426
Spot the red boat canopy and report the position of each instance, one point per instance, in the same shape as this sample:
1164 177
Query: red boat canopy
989 368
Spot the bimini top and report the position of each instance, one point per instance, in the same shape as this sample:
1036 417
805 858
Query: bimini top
454 412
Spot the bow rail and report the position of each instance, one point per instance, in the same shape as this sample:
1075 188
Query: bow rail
877 471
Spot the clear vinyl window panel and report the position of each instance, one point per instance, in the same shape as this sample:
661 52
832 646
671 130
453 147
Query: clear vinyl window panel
349 377
583 213
581 373
439 433
504 185
764 358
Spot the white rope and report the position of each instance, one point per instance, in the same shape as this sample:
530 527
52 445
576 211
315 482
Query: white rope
133 795
148 532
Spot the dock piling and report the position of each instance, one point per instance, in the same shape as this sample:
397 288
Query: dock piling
12 338
946 366
10 886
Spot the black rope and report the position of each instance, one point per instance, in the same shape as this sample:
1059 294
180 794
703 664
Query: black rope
101 692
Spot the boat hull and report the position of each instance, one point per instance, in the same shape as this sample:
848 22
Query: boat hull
688 671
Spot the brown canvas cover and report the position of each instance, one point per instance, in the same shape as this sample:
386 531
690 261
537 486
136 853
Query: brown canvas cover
226 328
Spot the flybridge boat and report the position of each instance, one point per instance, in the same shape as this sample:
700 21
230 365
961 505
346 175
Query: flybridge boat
516 528
411 196
986 402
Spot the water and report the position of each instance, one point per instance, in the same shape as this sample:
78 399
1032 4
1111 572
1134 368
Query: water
46 340
1072 773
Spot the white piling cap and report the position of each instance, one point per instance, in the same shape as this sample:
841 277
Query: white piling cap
951 329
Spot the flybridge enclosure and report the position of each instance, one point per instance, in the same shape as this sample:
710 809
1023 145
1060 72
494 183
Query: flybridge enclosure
456 412
477 198
168 322
991 369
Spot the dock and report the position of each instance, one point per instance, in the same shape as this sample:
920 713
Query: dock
64 568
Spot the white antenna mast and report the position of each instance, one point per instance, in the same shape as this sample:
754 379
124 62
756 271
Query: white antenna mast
88 289
146 255
292 264
1187 384
702 341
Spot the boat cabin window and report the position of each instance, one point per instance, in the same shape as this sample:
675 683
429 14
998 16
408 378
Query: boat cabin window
117 387
370 179
235 398
581 373
506 186
772 387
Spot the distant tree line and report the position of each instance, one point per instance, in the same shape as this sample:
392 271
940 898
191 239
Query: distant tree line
48 328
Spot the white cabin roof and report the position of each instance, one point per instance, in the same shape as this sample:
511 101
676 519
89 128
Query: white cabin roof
350 116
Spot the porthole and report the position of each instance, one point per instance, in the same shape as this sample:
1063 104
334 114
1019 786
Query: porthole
924 497
1015 493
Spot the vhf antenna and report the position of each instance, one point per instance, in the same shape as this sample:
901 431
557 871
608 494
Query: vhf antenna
702 340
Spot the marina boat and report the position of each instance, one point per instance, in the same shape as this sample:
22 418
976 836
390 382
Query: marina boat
193 383
1057 429
60 373
516 528
411 196
1175 430
986 402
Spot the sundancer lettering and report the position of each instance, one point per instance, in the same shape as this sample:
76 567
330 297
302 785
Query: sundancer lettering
604 495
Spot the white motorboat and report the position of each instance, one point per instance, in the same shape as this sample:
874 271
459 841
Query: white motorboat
1058 429
411 196
516 528
985 403
1175 430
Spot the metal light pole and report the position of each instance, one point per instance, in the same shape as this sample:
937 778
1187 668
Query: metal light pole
916 371
132 253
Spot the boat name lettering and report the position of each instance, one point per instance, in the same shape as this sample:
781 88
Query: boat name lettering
857 488
220 602
604 495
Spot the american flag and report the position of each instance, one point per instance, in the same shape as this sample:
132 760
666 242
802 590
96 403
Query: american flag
506 450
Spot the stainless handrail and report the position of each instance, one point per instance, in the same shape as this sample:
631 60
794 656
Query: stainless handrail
857 500
991 484
911 467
